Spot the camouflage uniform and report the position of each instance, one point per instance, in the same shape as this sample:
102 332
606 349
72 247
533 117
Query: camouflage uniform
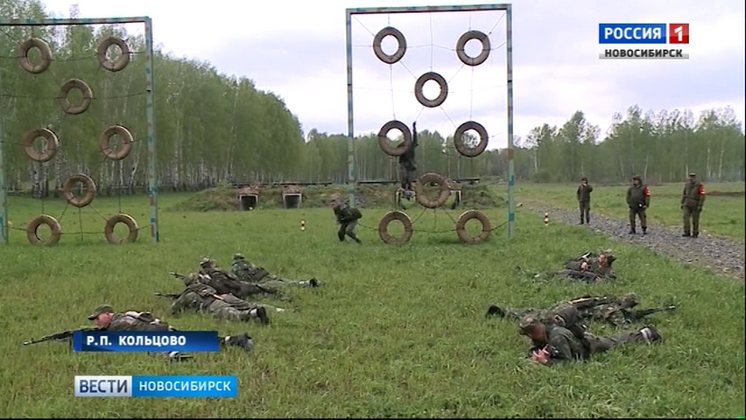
584 200
201 297
130 320
638 200
225 282
136 321
611 310
591 267
347 218
250 273
407 167
692 201
566 346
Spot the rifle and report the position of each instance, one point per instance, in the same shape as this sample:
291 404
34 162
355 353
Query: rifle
168 295
641 313
64 335
178 276
587 302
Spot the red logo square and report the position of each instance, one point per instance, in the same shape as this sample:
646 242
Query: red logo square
678 33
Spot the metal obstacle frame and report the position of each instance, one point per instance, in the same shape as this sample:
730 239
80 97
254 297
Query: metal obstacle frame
149 111
429 9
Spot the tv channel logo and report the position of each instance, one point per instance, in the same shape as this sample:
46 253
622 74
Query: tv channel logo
660 40
199 386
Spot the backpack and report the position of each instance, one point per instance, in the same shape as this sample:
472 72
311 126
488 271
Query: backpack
355 213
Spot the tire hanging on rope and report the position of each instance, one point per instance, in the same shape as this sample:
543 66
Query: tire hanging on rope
25 62
32 230
47 153
121 61
383 228
444 190
387 145
458 139
461 44
66 105
86 198
400 50
420 84
105 142
461 226
128 220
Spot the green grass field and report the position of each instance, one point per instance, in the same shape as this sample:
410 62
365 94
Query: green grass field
395 331
723 214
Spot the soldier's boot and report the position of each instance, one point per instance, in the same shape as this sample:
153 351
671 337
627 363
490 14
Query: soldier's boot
260 313
310 283
177 356
644 230
650 334
354 237
695 234
686 234
495 310
632 230
243 340
341 236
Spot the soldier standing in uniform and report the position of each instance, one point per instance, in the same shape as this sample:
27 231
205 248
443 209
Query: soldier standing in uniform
691 203
584 200
553 343
638 200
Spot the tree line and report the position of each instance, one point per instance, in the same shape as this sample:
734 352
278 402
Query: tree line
213 128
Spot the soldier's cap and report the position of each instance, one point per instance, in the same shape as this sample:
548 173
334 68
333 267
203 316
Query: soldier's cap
637 177
631 298
100 309
238 256
205 261
527 323
692 174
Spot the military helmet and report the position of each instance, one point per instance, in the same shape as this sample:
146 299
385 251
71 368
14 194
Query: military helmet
631 299
527 324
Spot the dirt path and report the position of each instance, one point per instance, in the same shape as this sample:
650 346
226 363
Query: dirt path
723 256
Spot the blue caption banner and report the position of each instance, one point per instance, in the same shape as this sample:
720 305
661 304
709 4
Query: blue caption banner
632 33
146 341
156 386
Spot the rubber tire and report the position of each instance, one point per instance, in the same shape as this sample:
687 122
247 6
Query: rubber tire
121 218
53 144
65 90
46 55
383 227
443 195
420 83
85 199
461 226
44 219
400 39
458 139
385 143
118 64
104 142
483 55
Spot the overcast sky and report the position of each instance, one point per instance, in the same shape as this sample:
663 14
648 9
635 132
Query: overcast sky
296 49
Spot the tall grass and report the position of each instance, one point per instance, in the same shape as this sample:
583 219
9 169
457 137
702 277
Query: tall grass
394 331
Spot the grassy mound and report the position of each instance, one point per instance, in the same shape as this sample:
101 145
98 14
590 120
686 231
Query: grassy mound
225 197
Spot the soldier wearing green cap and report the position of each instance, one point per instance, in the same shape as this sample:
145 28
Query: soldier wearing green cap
692 201
250 273
552 343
